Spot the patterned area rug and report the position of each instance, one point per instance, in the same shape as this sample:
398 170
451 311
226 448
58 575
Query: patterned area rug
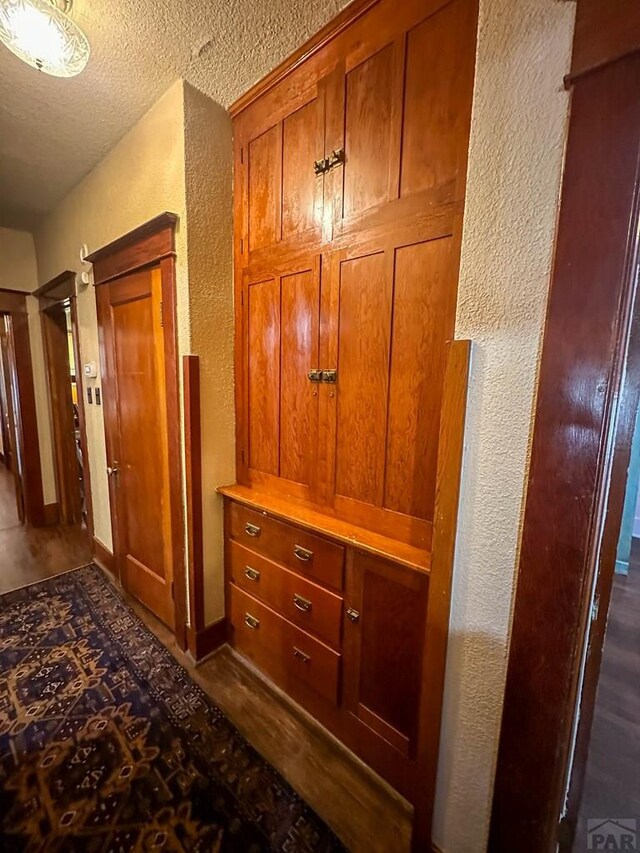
106 744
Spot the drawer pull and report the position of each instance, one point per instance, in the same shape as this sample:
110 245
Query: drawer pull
252 574
252 529
302 603
302 554
251 621
353 615
301 655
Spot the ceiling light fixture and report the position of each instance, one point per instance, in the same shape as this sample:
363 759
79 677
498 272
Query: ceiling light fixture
41 33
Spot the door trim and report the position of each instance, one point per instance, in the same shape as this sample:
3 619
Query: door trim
584 410
51 294
14 303
151 244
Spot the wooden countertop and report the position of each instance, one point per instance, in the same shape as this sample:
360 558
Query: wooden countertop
327 525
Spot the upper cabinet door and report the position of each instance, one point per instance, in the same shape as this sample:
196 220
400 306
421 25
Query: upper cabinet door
399 115
283 195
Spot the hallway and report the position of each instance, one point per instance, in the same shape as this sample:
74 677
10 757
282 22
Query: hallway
29 554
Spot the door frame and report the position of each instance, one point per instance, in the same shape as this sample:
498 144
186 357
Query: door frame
14 304
50 295
585 411
152 244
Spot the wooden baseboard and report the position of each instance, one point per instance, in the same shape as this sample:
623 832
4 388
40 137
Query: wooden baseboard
51 514
103 556
207 640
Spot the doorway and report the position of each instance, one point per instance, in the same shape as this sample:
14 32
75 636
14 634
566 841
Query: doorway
135 296
58 314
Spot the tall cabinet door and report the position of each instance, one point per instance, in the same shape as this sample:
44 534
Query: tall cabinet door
397 202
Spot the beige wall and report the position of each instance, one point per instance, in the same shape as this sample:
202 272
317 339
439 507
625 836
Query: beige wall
177 158
515 161
139 178
18 272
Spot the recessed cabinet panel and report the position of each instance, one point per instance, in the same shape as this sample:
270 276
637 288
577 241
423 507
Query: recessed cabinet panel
263 167
264 374
300 300
368 116
436 101
423 320
363 376
302 143
384 647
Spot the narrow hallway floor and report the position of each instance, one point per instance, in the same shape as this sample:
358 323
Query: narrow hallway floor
29 554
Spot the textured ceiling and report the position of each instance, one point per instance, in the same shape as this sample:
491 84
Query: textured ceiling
53 131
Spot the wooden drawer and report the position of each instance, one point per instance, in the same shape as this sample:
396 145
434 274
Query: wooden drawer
303 602
315 558
280 648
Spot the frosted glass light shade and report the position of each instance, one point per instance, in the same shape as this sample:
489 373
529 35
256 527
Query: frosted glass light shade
43 37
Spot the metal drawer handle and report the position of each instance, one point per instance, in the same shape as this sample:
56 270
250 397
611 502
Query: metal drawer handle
251 621
252 574
252 529
301 655
302 603
302 554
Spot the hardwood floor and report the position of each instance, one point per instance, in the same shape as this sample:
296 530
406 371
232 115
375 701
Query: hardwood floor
365 813
612 783
29 554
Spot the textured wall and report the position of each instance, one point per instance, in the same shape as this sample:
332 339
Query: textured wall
208 179
141 177
18 272
517 138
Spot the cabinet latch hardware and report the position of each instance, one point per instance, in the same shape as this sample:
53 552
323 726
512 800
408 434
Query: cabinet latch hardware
252 574
315 375
252 530
251 621
321 166
302 603
353 615
335 158
302 554
330 376
301 655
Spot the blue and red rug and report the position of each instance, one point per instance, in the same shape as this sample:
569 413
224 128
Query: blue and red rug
106 744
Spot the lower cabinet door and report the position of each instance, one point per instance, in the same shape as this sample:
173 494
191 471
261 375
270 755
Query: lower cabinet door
385 615
282 650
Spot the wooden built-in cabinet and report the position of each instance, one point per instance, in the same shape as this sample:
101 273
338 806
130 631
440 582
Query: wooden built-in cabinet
350 174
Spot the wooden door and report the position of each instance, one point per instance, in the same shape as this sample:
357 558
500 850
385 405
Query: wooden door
16 442
135 394
5 414
56 342
384 625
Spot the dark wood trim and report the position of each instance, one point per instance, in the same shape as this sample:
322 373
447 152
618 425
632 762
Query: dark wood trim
13 301
345 18
103 556
572 463
82 416
605 31
28 422
51 514
449 472
208 639
149 243
58 288
193 477
153 243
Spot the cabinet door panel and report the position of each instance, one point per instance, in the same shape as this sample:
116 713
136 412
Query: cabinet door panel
423 320
264 374
383 649
368 114
303 142
363 374
264 166
438 88
300 300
